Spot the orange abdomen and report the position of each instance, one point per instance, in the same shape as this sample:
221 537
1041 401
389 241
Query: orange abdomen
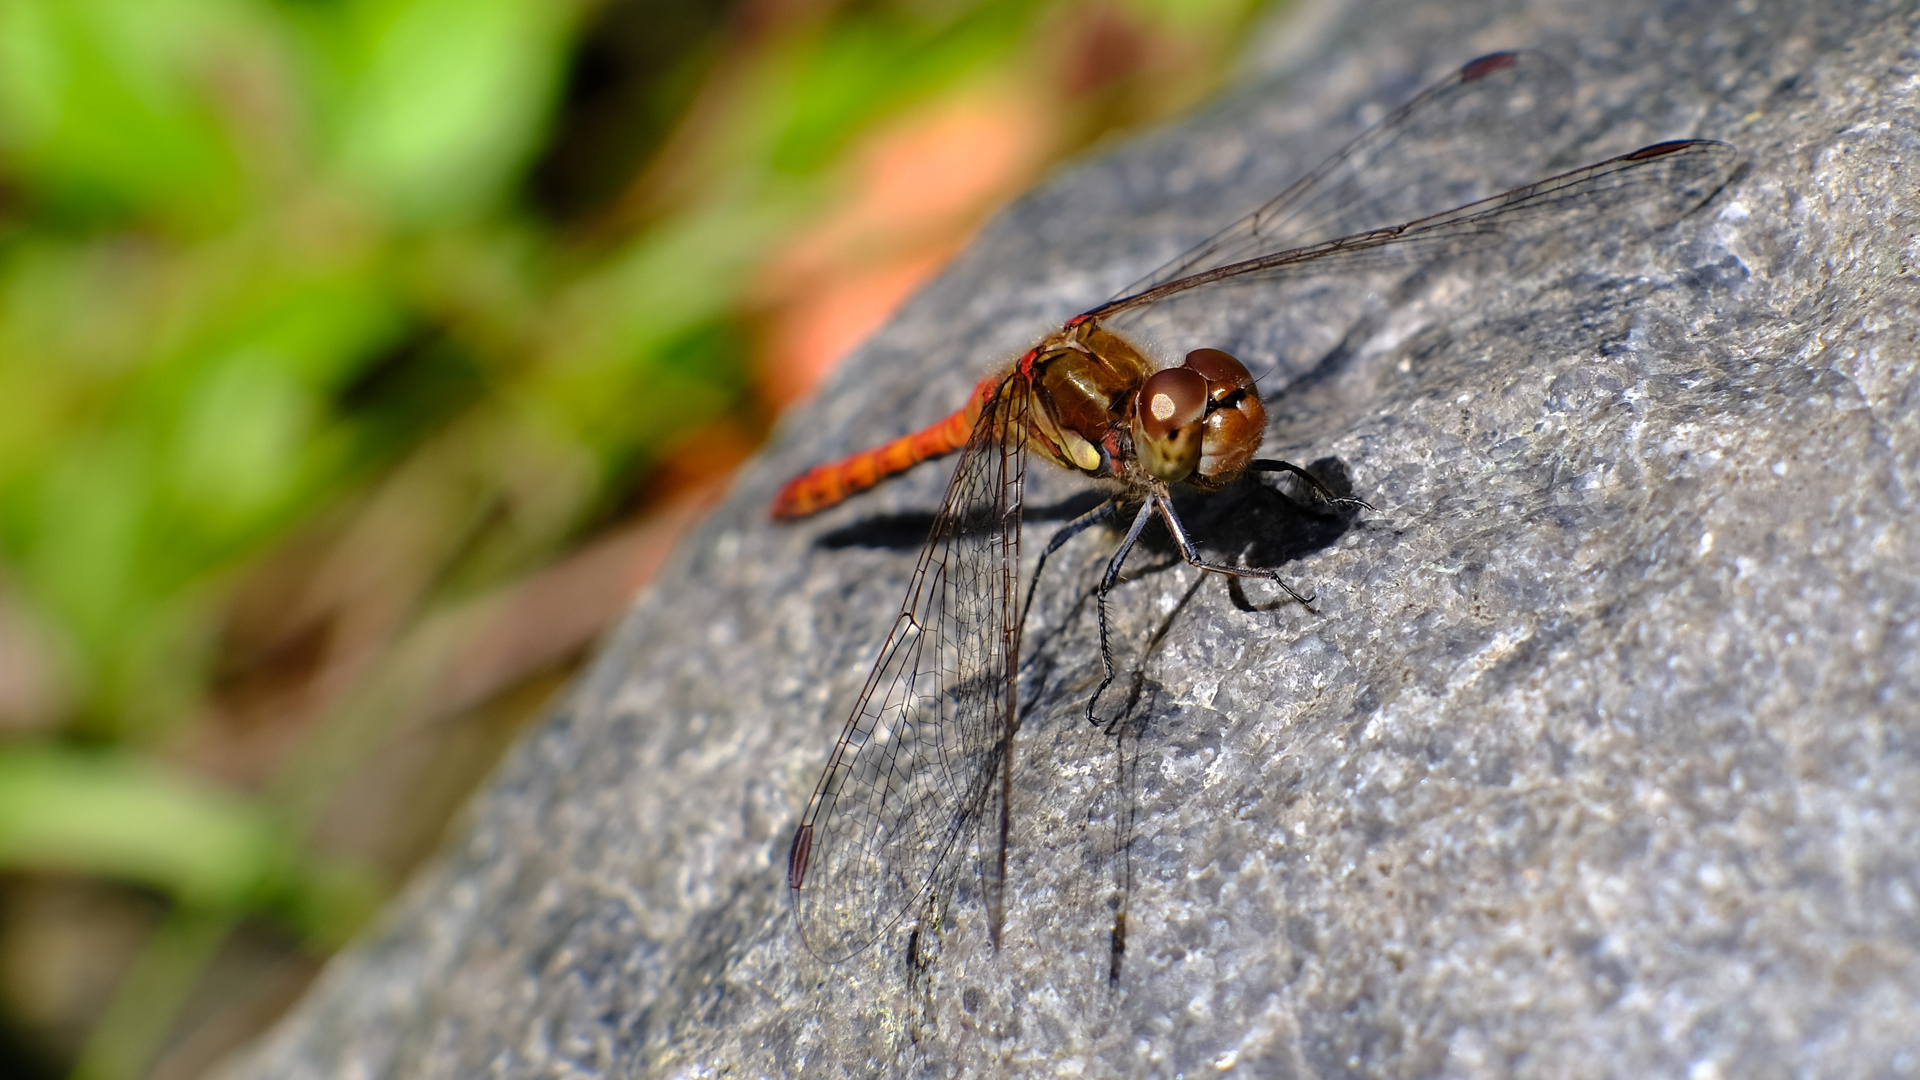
825 485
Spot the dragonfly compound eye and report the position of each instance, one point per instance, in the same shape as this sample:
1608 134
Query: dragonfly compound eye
1167 419
1221 370
1236 420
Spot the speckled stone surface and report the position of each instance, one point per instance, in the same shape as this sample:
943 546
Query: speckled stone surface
1600 756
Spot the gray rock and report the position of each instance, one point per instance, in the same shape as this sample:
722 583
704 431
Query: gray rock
1598 756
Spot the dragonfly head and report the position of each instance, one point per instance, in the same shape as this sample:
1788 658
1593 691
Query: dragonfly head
1201 422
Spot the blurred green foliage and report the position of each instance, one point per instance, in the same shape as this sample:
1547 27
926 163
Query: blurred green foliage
120 815
270 266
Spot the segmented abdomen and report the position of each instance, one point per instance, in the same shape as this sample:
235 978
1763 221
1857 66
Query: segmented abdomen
825 485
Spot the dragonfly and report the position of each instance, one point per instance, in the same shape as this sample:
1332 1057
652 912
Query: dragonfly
924 760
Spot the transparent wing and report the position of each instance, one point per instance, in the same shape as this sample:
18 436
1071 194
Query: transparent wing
1493 124
1646 189
923 756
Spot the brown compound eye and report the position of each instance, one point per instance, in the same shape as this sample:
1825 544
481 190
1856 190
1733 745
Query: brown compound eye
1220 369
1236 419
1168 417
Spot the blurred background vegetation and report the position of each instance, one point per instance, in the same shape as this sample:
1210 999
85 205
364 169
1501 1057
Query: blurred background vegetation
358 360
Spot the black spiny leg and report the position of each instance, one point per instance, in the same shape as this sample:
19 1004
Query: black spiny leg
1313 482
1106 585
1192 555
1059 539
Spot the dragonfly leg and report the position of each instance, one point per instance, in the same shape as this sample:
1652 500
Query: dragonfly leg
1312 481
1192 555
1106 585
1059 539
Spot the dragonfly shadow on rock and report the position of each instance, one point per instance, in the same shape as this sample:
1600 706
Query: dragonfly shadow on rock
1263 520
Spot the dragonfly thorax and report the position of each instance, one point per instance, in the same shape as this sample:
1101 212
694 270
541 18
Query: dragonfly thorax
1084 383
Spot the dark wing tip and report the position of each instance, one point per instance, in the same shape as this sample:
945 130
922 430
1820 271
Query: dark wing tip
1662 149
1487 65
797 856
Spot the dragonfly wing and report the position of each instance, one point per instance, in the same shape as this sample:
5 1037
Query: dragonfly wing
923 757
1490 125
1637 192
